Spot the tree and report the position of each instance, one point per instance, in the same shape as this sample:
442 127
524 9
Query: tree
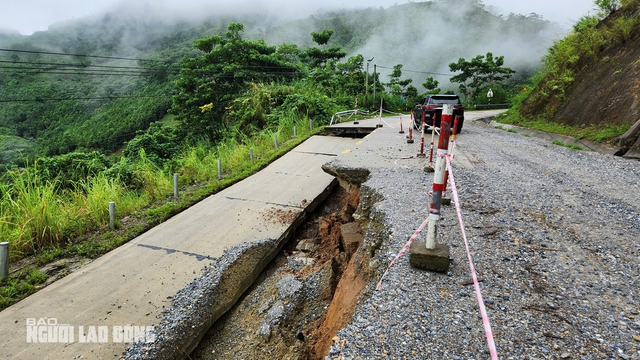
607 7
480 73
323 37
431 85
229 63
318 57
398 87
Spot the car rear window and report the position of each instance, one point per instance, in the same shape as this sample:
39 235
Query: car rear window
445 100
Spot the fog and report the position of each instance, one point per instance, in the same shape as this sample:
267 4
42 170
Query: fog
424 41
27 16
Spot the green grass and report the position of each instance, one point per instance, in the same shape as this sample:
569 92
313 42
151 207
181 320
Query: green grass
596 133
572 147
19 285
38 219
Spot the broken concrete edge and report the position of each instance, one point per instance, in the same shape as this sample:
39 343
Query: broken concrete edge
627 140
200 304
196 307
352 175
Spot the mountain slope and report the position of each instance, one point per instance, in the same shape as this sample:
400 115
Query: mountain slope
53 104
591 77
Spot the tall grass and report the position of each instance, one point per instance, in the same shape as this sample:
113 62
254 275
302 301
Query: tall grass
37 214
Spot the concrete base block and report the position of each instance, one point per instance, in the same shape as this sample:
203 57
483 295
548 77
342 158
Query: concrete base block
409 141
445 201
380 125
400 132
431 260
422 156
429 169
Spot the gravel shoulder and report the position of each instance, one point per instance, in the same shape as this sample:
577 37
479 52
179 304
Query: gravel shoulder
554 234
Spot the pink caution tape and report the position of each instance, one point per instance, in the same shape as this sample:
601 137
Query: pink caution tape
483 310
404 249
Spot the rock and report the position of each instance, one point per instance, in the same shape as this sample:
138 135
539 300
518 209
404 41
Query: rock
565 355
308 245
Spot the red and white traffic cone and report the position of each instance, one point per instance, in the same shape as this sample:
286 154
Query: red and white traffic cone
401 131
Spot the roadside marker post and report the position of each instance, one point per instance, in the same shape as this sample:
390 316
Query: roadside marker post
433 134
401 131
356 122
421 154
112 215
275 140
251 154
429 255
175 184
4 260
380 121
445 199
410 138
219 169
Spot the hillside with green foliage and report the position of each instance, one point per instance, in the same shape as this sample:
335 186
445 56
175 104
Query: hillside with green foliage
98 95
589 86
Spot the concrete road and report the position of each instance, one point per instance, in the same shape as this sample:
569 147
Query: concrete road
131 285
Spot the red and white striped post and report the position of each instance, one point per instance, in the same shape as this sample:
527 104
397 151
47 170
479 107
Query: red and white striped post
410 137
421 154
401 131
446 200
433 134
439 176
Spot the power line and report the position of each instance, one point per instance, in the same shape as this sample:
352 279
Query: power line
80 55
417 71
62 72
77 65
81 98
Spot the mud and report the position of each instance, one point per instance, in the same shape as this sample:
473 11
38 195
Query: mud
308 292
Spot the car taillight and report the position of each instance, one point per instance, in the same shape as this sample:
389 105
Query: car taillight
430 107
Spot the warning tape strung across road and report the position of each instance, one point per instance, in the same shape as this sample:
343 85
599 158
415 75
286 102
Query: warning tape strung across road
483 310
404 249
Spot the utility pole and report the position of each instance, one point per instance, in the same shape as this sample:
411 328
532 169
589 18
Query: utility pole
366 87
374 82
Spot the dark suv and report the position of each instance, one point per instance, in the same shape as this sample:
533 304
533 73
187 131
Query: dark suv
432 105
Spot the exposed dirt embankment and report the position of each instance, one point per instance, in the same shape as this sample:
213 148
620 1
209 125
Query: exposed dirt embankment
607 92
306 294
598 92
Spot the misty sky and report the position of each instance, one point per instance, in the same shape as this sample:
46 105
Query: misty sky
27 16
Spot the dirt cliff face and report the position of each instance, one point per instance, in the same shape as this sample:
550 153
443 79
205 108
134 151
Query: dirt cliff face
608 91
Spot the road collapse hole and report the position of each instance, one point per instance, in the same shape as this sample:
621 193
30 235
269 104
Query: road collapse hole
307 293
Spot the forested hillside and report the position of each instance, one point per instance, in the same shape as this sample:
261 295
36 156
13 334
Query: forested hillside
95 97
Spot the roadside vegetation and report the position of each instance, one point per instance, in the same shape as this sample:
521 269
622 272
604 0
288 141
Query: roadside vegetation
537 103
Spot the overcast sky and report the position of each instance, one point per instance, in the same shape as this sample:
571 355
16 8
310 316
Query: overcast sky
28 16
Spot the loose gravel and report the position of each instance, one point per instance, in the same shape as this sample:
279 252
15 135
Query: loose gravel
554 234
